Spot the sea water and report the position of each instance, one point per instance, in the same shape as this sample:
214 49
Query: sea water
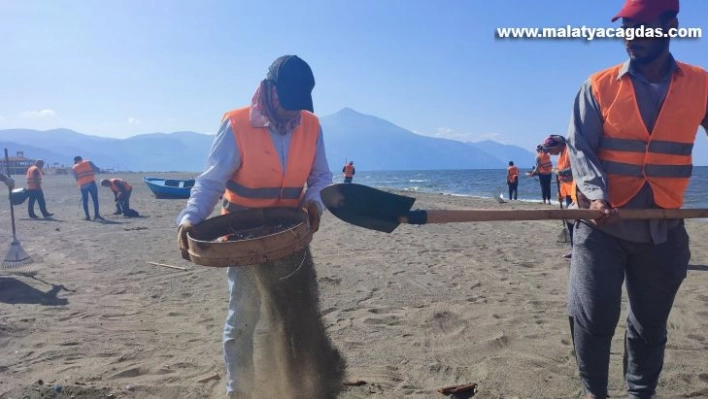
490 183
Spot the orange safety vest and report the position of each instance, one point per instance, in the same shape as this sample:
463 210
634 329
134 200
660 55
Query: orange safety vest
545 166
511 173
348 170
566 182
84 173
632 156
116 189
262 181
32 182
573 191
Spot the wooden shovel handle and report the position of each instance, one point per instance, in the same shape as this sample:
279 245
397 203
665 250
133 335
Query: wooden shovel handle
487 215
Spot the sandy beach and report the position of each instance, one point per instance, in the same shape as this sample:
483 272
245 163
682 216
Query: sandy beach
412 311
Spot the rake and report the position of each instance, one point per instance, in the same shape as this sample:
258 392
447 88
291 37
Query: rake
500 198
17 256
566 232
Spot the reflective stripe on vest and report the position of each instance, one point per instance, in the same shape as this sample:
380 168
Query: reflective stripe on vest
115 188
84 173
545 165
630 154
260 181
32 182
348 170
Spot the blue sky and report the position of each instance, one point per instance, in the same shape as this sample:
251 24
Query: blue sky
121 68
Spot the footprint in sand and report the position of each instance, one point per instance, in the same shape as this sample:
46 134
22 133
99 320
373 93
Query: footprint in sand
129 373
500 342
697 337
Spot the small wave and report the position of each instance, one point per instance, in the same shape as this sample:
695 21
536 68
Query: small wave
487 184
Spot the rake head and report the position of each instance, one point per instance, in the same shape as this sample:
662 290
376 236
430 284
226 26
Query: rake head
16 257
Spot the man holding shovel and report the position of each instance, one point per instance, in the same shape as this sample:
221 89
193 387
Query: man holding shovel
630 140
263 156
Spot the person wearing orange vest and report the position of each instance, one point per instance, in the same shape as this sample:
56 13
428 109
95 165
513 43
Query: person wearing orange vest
556 145
544 170
512 180
121 194
263 156
34 190
349 172
84 172
630 140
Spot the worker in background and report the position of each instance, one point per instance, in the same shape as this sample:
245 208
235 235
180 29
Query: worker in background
34 190
349 172
84 172
556 145
512 180
121 194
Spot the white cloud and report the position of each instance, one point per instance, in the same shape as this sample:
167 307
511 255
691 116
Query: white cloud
452 134
170 120
39 114
133 121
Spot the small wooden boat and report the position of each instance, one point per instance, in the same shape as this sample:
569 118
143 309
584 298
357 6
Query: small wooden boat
169 188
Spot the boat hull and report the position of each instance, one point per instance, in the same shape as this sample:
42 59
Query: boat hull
169 188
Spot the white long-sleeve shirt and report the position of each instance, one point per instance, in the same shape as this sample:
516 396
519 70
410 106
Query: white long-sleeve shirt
224 159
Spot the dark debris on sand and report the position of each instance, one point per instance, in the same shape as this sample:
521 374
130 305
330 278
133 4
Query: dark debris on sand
39 390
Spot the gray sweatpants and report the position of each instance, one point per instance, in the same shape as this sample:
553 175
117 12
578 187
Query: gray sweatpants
652 275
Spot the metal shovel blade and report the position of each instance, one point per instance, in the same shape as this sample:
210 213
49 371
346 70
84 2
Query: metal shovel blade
365 206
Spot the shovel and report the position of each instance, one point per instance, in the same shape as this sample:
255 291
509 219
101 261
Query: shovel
17 256
378 210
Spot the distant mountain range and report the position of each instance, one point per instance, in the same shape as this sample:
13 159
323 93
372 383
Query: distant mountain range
376 144
373 143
